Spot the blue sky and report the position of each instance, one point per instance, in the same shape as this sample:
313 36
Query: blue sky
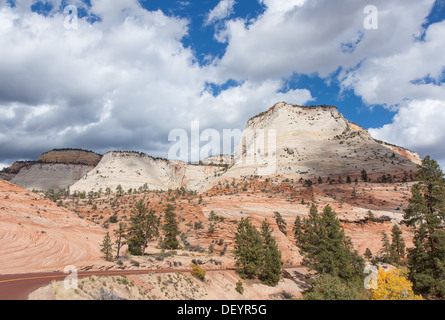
135 70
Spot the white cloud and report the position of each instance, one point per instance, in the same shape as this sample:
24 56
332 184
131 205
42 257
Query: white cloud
310 37
418 126
4 165
281 5
383 66
389 79
123 82
222 10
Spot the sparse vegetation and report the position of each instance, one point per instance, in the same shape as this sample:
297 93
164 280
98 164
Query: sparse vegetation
198 272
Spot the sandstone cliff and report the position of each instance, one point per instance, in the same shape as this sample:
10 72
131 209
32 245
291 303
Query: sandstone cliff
134 170
56 169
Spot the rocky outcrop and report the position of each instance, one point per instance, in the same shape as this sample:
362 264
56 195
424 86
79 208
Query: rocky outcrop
70 156
287 140
56 169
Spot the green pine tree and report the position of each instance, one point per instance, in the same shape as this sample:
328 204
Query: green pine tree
170 228
119 191
271 271
426 213
120 234
385 252
151 228
397 247
135 235
364 175
248 249
324 246
107 247
368 254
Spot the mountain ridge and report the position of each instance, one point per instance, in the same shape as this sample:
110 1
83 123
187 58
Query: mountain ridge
310 141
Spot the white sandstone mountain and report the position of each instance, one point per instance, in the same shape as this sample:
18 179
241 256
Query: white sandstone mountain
314 141
286 140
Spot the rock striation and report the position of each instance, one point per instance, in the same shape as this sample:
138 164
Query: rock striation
38 235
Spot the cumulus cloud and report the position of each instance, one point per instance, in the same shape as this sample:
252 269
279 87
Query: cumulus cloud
126 80
417 126
393 78
311 37
120 83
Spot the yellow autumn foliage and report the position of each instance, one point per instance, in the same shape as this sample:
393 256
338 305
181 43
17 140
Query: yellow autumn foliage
394 285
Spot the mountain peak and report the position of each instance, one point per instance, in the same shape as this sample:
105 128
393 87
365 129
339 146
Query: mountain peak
314 141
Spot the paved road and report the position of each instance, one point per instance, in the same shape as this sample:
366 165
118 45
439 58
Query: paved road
19 286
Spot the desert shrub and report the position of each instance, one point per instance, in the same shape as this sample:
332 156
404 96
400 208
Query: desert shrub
331 287
239 287
198 272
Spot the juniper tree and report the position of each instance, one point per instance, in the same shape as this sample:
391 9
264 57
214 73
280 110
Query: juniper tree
426 213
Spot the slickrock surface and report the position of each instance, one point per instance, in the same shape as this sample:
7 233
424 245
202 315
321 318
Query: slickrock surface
134 170
37 235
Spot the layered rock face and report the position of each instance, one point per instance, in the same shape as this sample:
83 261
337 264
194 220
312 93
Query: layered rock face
56 169
134 170
47 176
38 235
70 156
311 142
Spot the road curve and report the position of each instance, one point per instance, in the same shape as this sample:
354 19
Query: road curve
19 286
